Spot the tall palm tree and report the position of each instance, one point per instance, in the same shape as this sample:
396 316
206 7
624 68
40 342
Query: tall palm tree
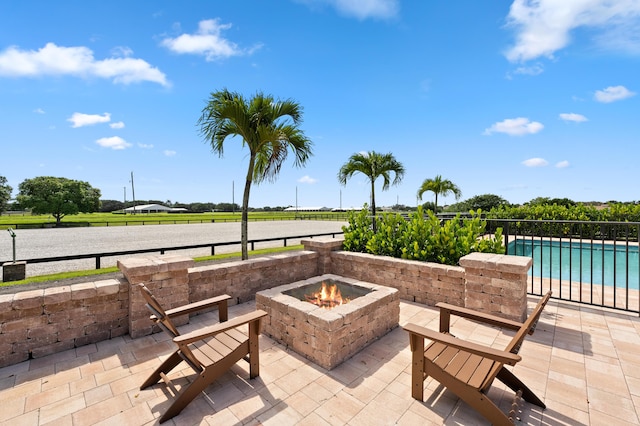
373 165
268 127
439 186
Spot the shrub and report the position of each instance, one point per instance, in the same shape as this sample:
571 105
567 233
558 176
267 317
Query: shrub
421 237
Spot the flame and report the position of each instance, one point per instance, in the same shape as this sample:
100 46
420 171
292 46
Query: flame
328 297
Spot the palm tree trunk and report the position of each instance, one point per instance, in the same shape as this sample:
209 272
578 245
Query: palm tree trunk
244 222
373 205
435 204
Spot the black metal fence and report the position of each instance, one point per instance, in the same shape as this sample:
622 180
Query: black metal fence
594 263
140 219
163 250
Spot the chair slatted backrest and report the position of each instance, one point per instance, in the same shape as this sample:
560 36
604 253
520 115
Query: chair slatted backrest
165 323
529 325
156 309
515 344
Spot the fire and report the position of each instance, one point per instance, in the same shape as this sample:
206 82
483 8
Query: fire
328 297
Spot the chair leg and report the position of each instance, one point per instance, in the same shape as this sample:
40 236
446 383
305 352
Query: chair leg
254 351
200 383
515 384
164 368
487 408
417 366
186 396
472 396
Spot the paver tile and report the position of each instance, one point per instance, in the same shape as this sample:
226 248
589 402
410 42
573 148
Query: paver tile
582 361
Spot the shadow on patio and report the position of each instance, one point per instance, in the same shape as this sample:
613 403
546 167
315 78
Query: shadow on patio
582 361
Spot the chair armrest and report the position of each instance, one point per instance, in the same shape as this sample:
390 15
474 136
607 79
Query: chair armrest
474 348
446 310
212 330
197 306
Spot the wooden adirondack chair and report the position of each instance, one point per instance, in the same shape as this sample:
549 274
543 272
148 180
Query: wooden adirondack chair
466 368
210 351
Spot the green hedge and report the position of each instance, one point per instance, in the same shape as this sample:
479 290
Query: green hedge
586 220
618 212
422 236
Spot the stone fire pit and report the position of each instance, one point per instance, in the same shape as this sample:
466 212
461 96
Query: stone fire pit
329 336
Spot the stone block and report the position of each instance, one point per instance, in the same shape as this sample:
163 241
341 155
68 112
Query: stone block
55 295
83 291
14 271
28 299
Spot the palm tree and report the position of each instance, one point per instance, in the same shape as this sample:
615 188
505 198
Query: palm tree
439 186
268 127
373 165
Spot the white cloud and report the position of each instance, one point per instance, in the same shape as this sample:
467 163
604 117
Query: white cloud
145 145
613 93
515 127
544 26
169 153
39 111
562 164
535 162
114 142
535 69
361 9
117 125
307 179
570 116
78 62
79 119
207 41
122 51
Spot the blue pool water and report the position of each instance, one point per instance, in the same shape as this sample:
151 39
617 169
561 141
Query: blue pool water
590 263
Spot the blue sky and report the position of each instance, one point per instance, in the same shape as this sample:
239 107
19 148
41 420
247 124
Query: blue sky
521 99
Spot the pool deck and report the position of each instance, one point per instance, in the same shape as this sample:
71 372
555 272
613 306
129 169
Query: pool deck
582 361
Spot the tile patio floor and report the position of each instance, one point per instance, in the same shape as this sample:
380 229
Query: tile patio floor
584 363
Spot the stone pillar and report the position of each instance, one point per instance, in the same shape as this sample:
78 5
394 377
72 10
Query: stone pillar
166 276
323 246
14 271
497 284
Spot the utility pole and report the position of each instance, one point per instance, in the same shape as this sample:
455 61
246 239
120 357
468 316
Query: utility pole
133 194
125 200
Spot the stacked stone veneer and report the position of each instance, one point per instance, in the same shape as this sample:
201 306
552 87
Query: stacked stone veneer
496 284
166 276
35 323
40 322
242 279
329 336
422 282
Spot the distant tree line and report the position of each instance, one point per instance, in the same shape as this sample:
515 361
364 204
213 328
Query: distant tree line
107 206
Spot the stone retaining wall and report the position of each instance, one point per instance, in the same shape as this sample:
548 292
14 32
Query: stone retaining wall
422 282
35 323
242 279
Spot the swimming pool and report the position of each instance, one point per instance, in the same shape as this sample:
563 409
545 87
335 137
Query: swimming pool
594 263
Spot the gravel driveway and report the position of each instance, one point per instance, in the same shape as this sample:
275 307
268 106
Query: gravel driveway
37 243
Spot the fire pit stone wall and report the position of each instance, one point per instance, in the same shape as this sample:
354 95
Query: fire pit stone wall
329 336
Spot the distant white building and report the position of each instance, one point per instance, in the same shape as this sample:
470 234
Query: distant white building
307 209
154 208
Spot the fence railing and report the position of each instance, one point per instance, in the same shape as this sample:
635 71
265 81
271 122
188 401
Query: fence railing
163 250
594 263
139 219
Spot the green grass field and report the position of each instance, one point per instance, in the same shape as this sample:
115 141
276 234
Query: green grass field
110 219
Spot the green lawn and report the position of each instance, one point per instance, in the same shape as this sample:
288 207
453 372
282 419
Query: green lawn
110 219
